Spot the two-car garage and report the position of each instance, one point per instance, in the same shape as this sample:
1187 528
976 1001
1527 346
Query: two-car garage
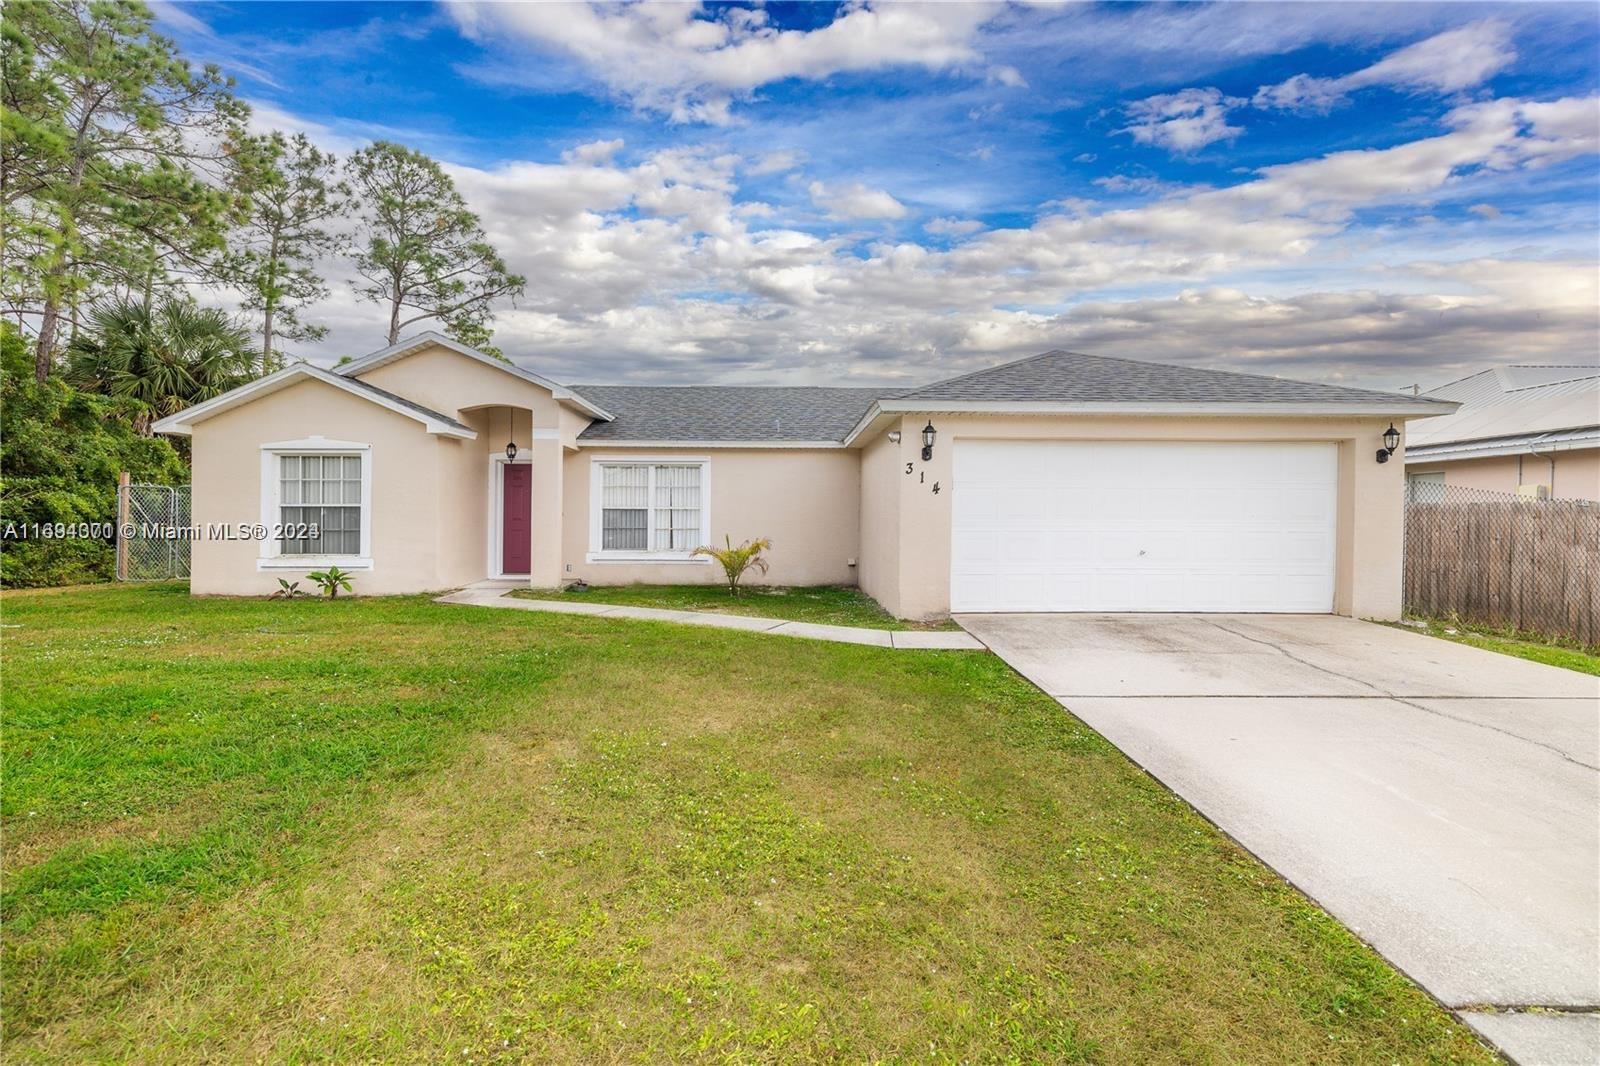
1077 525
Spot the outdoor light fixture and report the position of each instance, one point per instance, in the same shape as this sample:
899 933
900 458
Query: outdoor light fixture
1391 441
927 441
511 452
894 436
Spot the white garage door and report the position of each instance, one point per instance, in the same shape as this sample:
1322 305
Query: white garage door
1142 526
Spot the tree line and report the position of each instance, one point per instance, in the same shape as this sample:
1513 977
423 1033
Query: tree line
133 178
135 197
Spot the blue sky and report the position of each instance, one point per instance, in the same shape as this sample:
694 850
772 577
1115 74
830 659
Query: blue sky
1373 194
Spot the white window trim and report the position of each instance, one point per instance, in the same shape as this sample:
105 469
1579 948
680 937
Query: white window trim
271 557
598 555
497 486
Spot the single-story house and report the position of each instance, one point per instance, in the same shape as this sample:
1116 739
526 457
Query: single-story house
1061 482
1533 430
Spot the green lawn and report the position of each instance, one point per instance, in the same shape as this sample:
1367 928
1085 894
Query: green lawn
836 605
391 829
1564 656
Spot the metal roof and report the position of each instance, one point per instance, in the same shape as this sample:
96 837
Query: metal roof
1519 381
1516 444
1513 401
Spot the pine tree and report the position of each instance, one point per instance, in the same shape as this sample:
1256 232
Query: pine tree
424 251
292 195
106 139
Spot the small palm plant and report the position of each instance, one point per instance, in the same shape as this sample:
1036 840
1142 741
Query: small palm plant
287 590
735 561
331 580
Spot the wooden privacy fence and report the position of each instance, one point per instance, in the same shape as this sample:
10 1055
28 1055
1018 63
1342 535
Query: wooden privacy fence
1502 560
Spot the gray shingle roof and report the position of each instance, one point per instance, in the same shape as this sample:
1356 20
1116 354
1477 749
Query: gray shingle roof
786 413
726 412
403 402
1071 377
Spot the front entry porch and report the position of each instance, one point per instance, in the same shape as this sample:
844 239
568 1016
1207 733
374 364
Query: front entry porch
521 482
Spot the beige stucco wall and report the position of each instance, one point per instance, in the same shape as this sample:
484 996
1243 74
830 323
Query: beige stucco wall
825 509
453 383
411 494
1573 475
544 431
1367 578
806 500
882 464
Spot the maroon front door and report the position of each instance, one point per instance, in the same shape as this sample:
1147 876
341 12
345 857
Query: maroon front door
516 518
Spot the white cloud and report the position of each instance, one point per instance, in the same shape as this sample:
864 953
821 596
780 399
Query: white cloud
594 153
952 227
1186 121
692 64
775 163
855 200
175 15
1488 211
1182 122
651 267
1444 63
1541 310
1561 129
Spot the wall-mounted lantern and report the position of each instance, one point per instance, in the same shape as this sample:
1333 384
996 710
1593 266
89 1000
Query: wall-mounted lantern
1391 442
927 441
511 452
894 436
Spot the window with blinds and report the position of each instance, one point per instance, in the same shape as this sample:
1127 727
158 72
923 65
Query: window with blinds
322 491
654 507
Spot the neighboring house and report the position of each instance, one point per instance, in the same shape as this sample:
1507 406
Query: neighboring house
1060 482
1519 428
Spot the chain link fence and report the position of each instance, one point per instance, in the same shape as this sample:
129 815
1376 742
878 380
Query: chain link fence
153 538
1502 560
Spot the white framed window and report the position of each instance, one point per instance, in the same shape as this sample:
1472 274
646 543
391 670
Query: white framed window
316 500
649 509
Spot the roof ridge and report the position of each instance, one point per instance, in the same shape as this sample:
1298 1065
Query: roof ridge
1386 393
1557 381
974 373
853 388
1150 363
1457 381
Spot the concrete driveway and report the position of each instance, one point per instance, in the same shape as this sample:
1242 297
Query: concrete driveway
1443 802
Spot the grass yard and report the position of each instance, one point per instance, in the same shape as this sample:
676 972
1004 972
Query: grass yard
836 605
1564 656
394 830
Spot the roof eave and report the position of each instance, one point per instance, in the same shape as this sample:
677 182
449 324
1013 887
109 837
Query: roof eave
811 445
427 338
1522 444
1401 407
182 423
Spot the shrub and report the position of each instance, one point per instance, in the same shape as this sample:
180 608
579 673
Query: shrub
736 560
331 580
60 453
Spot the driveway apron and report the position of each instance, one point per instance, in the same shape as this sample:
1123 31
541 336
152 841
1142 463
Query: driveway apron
1441 800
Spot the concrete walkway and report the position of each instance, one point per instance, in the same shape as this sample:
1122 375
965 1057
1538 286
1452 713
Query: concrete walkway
491 594
1438 799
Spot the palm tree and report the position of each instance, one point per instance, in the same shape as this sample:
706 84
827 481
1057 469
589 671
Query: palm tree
164 358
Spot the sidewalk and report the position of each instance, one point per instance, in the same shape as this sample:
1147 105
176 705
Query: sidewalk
495 596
